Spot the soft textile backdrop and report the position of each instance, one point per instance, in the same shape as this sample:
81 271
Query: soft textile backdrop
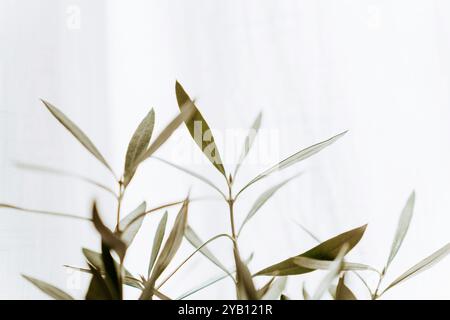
315 68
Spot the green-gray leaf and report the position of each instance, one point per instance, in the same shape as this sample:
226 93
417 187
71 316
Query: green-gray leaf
138 144
167 132
262 199
195 240
128 280
77 133
245 288
98 289
249 141
305 293
95 259
327 250
297 157
342 291
169 250
402 227
44 212
422 265
316 264
212 281
157 241
58 172
49 289
108 237
192 173
197 127
131 224
333 272
275 290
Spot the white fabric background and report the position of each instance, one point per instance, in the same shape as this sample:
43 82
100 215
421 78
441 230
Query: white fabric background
377 68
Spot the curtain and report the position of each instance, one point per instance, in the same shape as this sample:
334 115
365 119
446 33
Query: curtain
378 69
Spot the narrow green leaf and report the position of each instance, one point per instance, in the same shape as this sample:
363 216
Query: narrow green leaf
128 280
333 272
44 212
402 228
49 289
195 240
276 289
98 289
245 288
108 237
95 259
169 250
199 130
112 277
157 241
327 250
58 172
77 133
137 146
342 291
131 224
211 281
249 141
192 173
422 265
262 199
316 264
297 157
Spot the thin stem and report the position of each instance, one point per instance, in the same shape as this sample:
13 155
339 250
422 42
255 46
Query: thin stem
230 201
375 294
119 205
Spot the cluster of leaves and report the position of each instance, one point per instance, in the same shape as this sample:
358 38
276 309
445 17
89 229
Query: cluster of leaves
107 270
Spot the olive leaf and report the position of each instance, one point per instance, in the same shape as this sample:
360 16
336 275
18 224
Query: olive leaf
185 114
58 172
249 142
137 146
198 128
422 265
245 288
157 241
316 264
275 290
262 291
195 240
192 173
333 272
98 289
131 224
96 260
77 133
297 157
305 293
262 199
169 250
112 275
327 250
44 212
49 289
402 228
128 280
112 240
342 291
284 297
212 281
